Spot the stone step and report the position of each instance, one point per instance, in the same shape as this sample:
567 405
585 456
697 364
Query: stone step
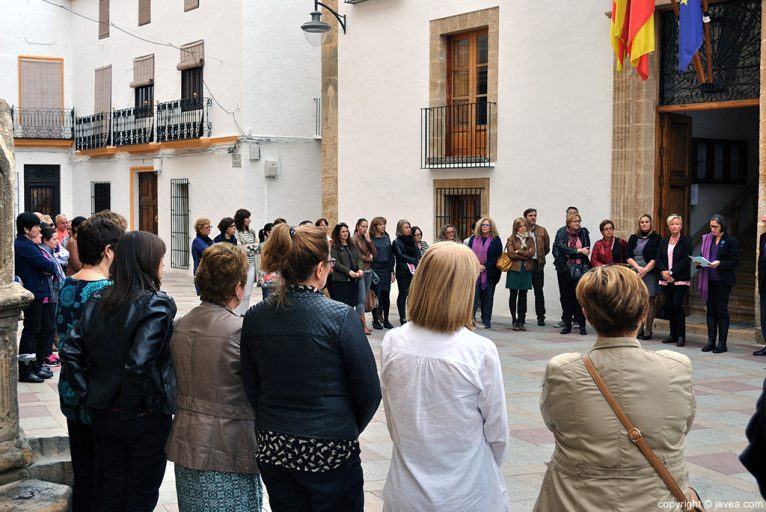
52 462
740 333
35 496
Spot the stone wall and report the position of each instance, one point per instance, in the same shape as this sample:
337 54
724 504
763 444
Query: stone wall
330 118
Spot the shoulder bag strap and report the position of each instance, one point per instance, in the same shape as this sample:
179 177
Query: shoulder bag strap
635 435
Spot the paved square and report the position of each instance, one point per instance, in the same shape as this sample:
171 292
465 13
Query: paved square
726 386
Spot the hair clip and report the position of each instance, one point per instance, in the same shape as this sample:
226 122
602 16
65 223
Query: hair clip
292 231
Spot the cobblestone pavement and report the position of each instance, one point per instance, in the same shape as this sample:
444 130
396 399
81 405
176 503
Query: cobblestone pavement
726 387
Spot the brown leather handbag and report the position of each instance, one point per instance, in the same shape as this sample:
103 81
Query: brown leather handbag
695 503
504 262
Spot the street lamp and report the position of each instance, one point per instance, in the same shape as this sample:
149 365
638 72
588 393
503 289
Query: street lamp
316 30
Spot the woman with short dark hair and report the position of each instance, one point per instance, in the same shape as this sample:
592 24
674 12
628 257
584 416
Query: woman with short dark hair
118 359
247 241
609 250
228 231
717 280
96 240
310 407
74 264
212 442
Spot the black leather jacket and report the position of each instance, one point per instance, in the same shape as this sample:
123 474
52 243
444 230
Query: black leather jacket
123 363
562 253
405 251
308 369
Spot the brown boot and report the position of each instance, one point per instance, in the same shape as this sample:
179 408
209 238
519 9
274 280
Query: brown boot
362 319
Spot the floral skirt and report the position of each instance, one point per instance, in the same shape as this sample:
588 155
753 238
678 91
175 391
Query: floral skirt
212 491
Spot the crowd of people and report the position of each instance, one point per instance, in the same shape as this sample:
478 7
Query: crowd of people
279 392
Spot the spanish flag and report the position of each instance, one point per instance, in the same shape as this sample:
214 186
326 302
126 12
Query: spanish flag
632 33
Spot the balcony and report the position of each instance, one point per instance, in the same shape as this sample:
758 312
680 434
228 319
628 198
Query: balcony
459 135
183 119
93 132
42 123
133 126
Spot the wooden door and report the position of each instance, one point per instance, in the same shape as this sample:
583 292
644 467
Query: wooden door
147 202
672 187
467 76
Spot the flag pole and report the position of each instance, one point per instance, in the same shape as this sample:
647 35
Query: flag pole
696 60
708 46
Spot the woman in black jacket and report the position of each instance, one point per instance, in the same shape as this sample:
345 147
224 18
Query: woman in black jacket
716 281
348 267
674 266
642 254
571 248
407 256
118 359
310 375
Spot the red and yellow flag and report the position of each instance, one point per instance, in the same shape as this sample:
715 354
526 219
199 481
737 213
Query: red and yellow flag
632 33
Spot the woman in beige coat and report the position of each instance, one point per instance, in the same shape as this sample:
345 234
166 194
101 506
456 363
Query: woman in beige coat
595 466
212 442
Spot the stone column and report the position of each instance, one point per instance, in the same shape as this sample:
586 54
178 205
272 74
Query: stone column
14 451
761 169
633 146
330 117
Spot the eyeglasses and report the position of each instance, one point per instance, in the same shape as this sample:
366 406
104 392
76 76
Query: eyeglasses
332 262
486 225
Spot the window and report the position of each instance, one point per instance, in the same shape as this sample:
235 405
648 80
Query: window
143 84
190 4
144 12
100 196
103 90
41 82
192 60
460 202
103 19
467 73
179 223
719 161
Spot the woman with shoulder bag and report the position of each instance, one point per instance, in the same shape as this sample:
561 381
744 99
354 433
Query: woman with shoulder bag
520 248
594 463
571 248
367 252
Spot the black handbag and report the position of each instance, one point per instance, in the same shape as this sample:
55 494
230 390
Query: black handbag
576 270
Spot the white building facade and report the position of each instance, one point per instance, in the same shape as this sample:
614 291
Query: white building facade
164 111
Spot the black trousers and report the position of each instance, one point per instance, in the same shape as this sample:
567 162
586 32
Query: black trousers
521 308
717 303
131 460
38 331
301 491
572 308
384 302
82 448
484 298
538 283
403 281
762 298
674 302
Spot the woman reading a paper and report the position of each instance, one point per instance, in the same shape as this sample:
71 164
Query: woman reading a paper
716 280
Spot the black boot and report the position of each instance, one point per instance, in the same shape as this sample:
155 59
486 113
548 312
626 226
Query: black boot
27 374
567 328
711 334
723 334
375 321
583 332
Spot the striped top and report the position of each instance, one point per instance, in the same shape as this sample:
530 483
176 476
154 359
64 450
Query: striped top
247 240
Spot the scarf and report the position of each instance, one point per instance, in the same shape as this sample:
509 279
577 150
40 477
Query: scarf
523 237
702 283
480 247
573 237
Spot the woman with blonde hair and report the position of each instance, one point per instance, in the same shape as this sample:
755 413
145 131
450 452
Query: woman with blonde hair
520 248
407 255
594 460
571 248
487 246
434 368
448 233
674 266
310 375
201 242
212 440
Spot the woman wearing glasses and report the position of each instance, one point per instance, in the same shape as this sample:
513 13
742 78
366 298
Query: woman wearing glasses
488 247
310 407
570 257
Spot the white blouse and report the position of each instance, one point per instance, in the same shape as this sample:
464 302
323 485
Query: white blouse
445 407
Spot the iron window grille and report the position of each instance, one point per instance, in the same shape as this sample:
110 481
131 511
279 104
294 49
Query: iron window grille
179 223
101 196
460 207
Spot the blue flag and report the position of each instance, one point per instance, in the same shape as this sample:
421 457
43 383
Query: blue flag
689 31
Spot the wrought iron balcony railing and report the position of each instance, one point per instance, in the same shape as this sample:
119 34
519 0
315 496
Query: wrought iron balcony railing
93 132
133 126
458 135
183 119
42 123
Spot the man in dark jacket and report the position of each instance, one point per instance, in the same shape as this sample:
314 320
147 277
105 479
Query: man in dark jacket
33 269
